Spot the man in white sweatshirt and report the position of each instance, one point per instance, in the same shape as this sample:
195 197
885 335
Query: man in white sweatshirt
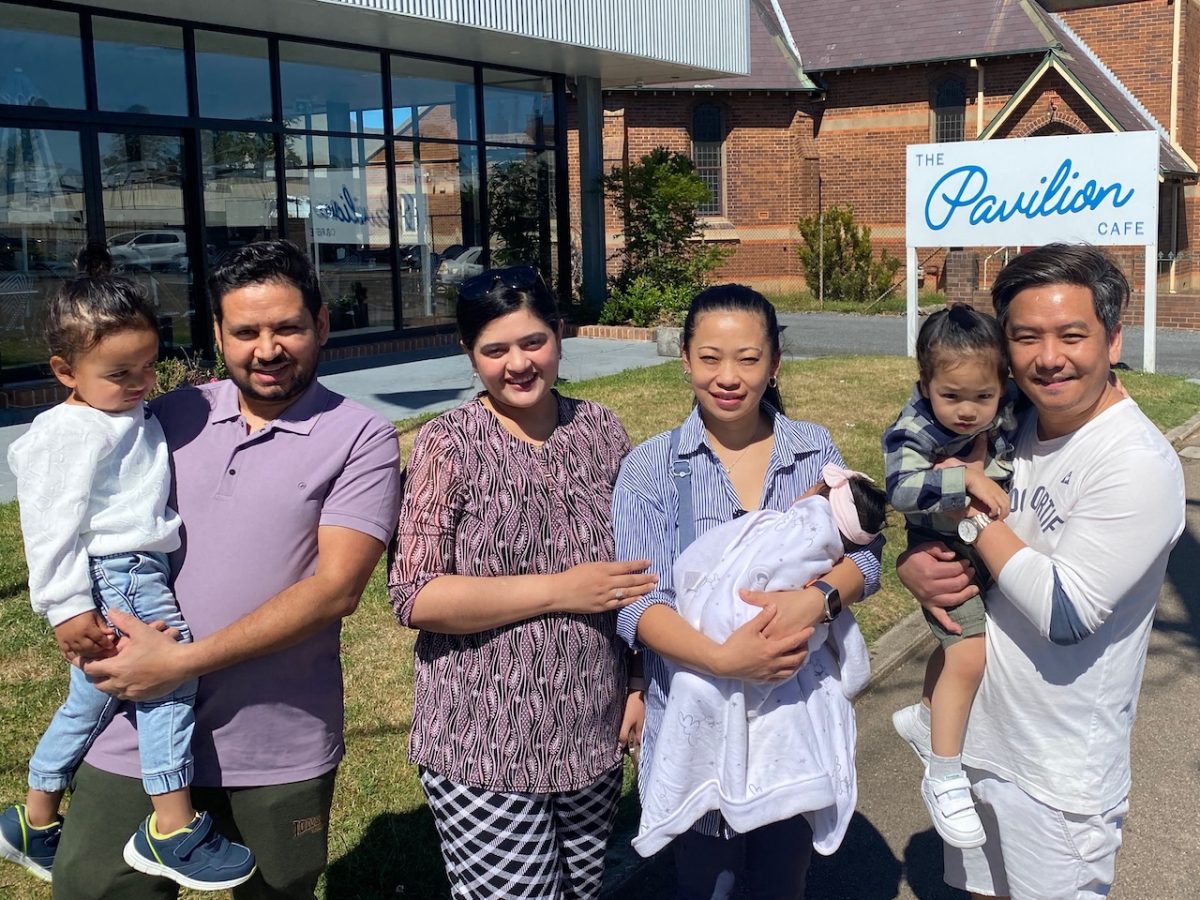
1096 505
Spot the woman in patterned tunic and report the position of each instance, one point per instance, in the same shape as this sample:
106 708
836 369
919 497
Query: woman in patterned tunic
739 452
503 561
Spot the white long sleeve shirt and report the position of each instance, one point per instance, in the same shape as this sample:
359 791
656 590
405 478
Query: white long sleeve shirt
89 483
1069 617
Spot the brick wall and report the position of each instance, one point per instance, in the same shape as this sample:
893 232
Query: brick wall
853 140
1134 40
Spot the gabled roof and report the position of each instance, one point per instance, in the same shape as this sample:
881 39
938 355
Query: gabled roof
1100 89
835 34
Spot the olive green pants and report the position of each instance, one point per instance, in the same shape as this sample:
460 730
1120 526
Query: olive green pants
286 825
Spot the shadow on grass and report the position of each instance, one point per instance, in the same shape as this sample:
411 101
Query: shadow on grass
398 856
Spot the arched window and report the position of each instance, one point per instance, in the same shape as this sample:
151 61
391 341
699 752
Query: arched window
708 155
949 111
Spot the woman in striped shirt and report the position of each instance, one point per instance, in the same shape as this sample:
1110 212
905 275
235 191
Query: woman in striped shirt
736 452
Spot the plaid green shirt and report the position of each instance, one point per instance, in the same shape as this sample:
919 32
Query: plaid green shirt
916 442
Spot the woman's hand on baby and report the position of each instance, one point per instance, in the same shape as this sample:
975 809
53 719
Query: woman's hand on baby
85 636
798 610
749 654
603 586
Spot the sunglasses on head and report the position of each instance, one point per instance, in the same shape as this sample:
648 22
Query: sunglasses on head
519 278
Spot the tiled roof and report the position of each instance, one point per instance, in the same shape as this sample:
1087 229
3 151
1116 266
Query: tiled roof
834 34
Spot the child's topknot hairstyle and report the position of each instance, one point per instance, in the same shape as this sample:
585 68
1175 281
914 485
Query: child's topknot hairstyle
959 331
88 309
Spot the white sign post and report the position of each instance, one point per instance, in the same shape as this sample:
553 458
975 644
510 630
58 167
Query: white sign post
1094 188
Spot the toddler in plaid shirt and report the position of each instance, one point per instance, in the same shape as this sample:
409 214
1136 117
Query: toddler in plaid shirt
961 409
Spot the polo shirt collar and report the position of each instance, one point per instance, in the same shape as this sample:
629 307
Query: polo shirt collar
790 439
299 418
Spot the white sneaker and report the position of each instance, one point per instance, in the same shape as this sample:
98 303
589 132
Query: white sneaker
910 726
953 812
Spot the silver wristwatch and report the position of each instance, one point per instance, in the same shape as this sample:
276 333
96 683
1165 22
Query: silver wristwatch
970 527
833 600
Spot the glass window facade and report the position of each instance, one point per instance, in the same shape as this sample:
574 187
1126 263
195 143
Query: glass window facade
42 59
233 76
139 67
400 175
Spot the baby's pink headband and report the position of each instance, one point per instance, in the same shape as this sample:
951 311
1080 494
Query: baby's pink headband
845 514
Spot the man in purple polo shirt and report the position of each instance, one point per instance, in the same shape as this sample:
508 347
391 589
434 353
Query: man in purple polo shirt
288 495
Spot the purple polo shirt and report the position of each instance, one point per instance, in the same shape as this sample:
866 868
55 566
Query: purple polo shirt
251 505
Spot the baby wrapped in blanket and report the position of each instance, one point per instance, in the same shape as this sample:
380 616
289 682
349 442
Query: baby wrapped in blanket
760 752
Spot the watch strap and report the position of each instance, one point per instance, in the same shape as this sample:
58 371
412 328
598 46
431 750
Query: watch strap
833 600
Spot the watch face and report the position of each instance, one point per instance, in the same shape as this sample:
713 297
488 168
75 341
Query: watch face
968 531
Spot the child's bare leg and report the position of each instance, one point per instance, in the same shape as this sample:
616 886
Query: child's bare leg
933 671
172 810
953 693
41 807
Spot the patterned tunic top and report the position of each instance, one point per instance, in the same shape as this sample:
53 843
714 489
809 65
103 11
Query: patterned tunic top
645 521
534 706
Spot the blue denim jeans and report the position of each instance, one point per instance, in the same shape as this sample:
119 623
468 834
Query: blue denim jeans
135 583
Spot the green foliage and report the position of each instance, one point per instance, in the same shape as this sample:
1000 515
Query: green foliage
515 192
643 302
662 255
851 271
175 372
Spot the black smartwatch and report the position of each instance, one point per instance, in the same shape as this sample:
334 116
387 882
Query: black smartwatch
833 600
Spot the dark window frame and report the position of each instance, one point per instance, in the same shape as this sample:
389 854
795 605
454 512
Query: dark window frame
708 132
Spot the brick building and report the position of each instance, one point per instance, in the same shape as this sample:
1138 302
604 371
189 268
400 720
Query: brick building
837 91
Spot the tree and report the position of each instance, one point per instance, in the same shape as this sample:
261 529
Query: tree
838 253
663 256
517 191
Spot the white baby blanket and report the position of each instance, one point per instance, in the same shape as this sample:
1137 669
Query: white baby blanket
758 753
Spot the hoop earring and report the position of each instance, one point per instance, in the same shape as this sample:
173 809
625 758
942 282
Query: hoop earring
772 382
687 377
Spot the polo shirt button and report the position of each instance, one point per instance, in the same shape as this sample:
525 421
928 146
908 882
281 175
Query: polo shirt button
233 471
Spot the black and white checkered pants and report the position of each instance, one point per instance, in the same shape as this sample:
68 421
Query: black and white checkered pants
523 846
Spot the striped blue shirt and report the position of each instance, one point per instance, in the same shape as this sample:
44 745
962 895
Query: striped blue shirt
645 525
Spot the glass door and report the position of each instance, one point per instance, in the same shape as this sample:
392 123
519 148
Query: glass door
146 223
42 225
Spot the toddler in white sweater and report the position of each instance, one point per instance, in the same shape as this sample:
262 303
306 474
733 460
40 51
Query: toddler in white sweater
93 479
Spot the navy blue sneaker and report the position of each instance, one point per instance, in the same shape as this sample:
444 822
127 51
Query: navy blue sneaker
27 845
195 857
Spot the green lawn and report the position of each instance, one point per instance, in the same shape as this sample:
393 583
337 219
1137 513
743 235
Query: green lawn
382 837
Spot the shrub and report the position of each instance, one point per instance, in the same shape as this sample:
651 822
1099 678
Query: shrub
663 257
644 302
175 372
851 271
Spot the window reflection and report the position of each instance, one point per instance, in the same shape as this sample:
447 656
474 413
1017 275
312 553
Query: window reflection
41 227
440 240
330 89
432 100
41 61
233 76
517 108
139 66
337 209
239 189
521 224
